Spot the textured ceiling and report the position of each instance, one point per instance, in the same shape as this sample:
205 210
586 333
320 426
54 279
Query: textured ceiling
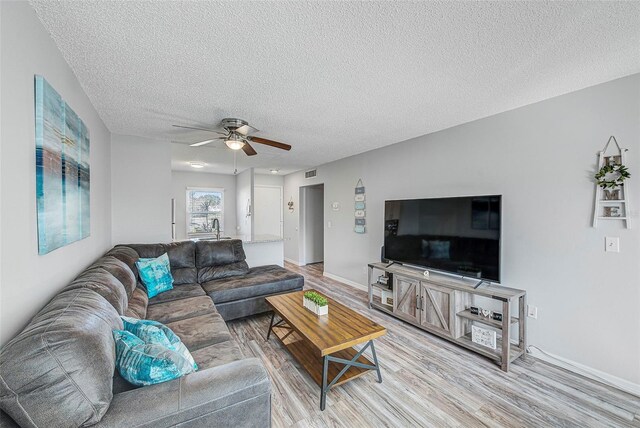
332 79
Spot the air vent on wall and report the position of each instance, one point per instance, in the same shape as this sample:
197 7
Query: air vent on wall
311 174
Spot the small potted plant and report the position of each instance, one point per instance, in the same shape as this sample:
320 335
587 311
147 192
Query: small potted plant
316 303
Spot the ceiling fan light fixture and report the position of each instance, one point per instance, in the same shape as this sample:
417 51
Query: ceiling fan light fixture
197 164
234 142
274 171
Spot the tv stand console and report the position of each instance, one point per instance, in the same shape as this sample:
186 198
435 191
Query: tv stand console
440 305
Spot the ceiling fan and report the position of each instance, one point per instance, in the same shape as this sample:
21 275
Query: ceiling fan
236 136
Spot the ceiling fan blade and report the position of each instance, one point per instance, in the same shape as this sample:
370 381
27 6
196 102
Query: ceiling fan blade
244 129
202 143
249 151
199 129
270 143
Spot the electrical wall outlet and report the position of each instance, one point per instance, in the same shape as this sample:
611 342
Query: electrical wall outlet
612 244
532 311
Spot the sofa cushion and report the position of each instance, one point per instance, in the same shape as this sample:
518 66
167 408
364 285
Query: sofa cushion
103 283
58 372
198 332
138 304
119 269
217 355
260 281
225 271
177 310
182 291
217 253
127 255
181 258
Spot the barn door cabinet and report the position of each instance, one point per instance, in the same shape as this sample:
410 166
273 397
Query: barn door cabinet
440 305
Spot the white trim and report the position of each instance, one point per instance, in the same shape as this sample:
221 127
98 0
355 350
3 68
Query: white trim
295 262
586 371
345 281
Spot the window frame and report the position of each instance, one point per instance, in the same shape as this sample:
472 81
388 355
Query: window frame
188 213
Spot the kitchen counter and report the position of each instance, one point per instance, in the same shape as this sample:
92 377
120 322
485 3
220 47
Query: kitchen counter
246 239
260 250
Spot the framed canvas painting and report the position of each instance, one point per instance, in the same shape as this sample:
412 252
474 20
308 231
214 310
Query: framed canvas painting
62 171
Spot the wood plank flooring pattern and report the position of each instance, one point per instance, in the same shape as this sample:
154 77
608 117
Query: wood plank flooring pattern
429 382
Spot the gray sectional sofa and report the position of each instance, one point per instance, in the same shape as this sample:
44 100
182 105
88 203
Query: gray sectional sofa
60 370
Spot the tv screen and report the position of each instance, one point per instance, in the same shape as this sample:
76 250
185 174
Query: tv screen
454 235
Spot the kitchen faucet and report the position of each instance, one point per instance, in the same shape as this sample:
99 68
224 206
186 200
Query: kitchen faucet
216 226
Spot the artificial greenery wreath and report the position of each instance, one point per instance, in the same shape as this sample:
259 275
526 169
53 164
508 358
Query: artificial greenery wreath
622 174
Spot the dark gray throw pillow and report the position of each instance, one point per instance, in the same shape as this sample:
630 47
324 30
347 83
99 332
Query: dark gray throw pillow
225 271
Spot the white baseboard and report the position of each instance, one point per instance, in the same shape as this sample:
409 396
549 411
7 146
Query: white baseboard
295 262
586 371
345 281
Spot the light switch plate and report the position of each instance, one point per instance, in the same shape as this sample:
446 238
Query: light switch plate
612 244
532 311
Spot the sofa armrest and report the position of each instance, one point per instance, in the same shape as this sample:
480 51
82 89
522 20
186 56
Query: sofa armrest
236 394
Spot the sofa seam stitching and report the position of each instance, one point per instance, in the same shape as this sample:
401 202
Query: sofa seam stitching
46 344
18 401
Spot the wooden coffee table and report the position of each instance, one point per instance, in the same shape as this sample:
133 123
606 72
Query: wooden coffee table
323 345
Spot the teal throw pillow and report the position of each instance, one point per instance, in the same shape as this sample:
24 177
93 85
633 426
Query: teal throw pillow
155 333
143 364
155 274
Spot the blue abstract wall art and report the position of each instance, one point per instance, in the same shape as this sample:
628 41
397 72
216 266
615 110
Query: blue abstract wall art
62 171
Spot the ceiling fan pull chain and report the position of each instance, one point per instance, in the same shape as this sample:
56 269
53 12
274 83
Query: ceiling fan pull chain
235 162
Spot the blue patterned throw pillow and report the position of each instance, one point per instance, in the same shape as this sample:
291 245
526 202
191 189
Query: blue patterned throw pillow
144 364
155 333
155 274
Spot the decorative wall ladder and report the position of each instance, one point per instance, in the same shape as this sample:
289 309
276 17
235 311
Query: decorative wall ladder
613 203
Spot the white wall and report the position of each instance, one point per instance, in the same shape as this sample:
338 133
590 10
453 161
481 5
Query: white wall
140 190
180 180
244 200
541 158
28 280
268 180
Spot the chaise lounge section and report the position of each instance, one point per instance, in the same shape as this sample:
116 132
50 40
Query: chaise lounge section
60 370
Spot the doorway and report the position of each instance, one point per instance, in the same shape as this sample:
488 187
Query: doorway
267 219
312 224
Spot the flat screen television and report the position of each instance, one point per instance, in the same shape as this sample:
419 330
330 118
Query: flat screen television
458 235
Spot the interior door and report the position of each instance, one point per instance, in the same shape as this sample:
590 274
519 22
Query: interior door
267 210
436 304
405 300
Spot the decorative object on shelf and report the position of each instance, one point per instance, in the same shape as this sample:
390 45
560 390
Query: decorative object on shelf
497 316
612 175
611 212
360 226
290 204
474 310
612 193
484 337
486 313
386 297
62 171
316 303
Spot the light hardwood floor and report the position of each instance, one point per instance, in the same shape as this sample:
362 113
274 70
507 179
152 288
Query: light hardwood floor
429 382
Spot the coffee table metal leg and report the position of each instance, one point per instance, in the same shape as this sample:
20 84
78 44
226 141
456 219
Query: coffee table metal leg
273 315
375 362
347 364
323 391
